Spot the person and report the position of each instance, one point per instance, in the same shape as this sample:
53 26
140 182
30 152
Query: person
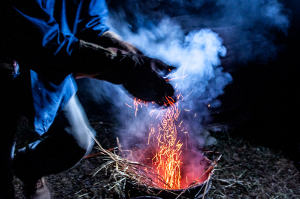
44 46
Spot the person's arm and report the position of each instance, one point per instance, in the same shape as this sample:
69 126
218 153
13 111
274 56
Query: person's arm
140 75
92 27
36 40
41 46
112 40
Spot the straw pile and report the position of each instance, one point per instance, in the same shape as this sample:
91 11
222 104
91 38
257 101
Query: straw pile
124 172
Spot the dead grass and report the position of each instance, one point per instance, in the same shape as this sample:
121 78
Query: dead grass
248 171
244 171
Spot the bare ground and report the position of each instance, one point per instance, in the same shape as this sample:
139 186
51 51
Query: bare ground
244 171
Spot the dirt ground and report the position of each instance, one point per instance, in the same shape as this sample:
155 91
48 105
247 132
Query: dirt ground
244 171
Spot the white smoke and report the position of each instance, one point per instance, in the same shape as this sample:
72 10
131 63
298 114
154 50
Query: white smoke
247 26
196 54
199 76
195 51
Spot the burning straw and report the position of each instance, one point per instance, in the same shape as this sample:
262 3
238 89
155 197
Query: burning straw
172 170
140 177
122 170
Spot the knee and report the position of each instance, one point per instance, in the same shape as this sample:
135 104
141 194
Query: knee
87 142
78 125
84 137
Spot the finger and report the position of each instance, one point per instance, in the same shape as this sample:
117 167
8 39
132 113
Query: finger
151 88
130 48
167 98
172 68
135 50
162 67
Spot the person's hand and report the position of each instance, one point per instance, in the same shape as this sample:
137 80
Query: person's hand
158 66
147 83
142 76
112 40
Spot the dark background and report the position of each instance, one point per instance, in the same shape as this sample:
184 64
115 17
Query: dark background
262 101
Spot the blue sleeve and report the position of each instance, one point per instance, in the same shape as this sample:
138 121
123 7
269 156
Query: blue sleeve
93 20
37 38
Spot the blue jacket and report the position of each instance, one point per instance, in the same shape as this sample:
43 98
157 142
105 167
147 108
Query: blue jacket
44 33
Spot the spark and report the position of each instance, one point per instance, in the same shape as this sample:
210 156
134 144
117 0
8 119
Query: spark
167 139
177 78
128 105
137 104
168 158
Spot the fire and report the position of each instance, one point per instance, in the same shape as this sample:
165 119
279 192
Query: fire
137 103
168 160
164 148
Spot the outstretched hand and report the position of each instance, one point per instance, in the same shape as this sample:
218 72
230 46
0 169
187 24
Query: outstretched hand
147 83
112 40
142 76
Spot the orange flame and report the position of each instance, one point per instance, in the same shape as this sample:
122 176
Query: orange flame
168 160
165 143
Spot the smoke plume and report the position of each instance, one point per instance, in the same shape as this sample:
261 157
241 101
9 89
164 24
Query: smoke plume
247 26
183 34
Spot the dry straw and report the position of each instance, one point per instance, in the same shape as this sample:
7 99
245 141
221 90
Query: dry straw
122 171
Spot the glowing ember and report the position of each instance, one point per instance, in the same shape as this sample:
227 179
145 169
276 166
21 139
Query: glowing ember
176 166
168 159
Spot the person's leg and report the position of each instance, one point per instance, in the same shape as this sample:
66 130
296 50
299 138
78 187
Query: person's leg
66 142
7 135
9 106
